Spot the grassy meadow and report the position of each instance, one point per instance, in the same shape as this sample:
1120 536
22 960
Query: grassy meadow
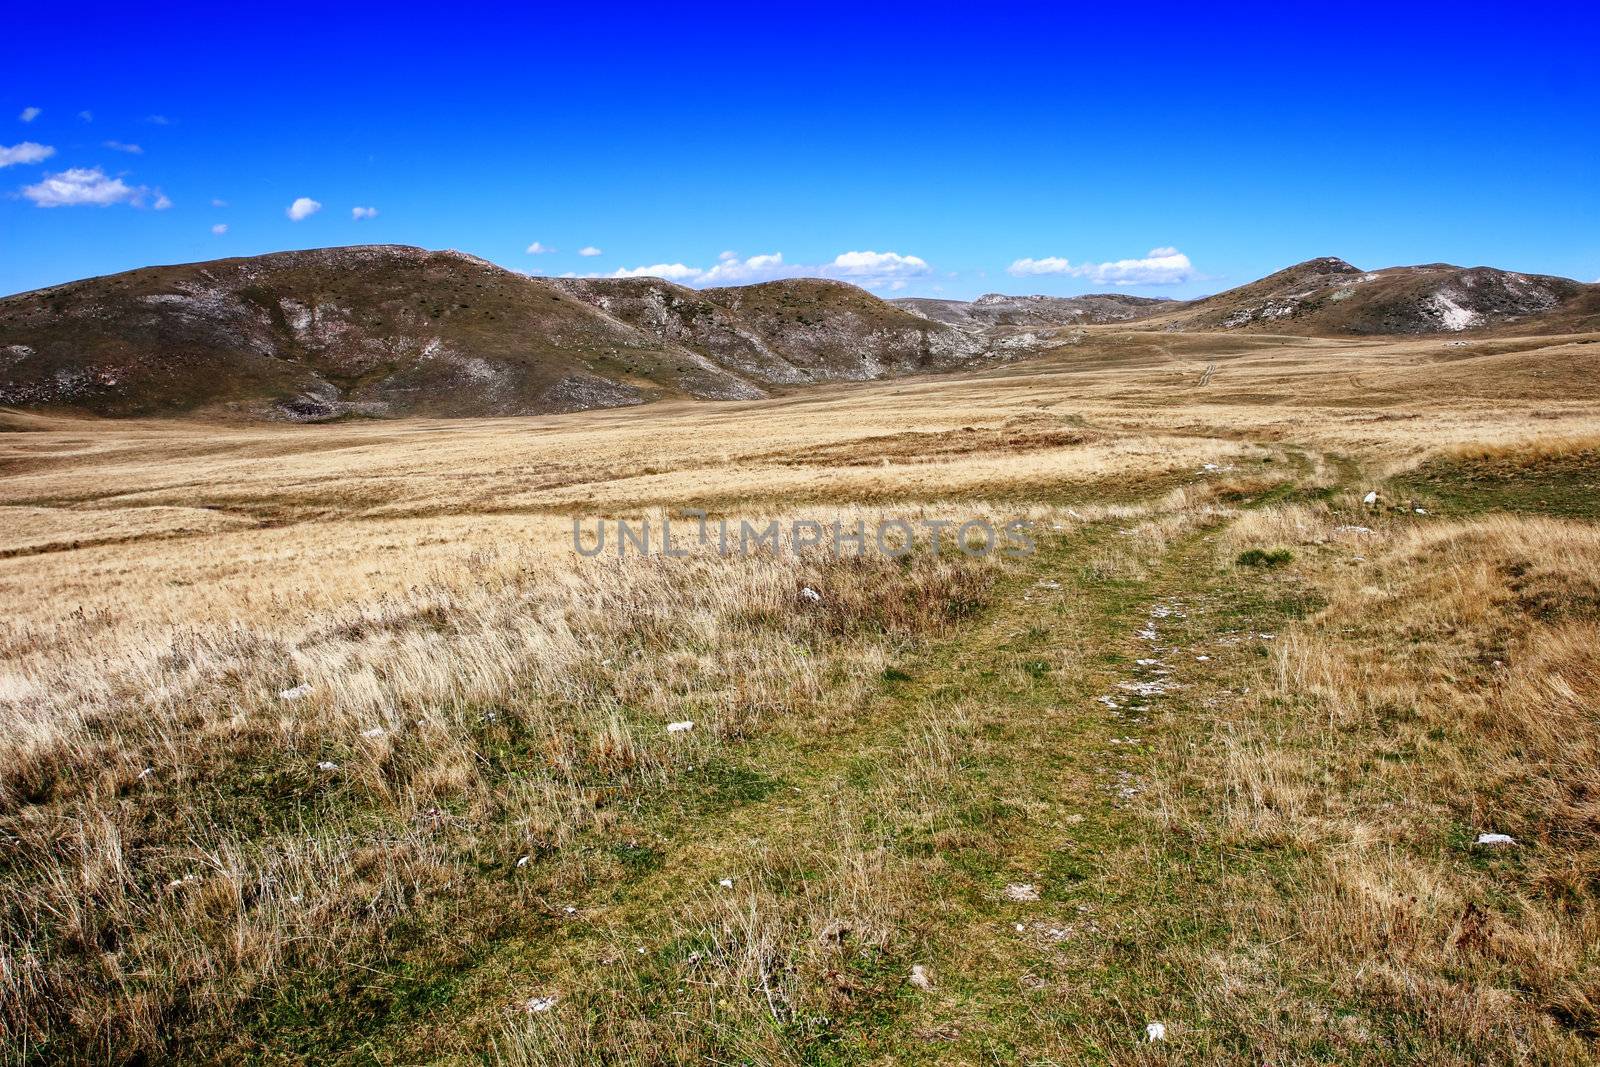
322 745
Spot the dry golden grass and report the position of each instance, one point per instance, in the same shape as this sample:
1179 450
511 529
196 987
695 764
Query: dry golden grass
1450 689
179 864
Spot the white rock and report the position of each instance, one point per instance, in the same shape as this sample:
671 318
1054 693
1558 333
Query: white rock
919 977
537 1004
811 594
298 692
1420 511
726 883
1022 892
1496 839
375 732
680 727
523 862
1370 498
1155 1032
327 765
147 772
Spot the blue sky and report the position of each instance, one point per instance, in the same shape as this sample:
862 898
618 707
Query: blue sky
920 149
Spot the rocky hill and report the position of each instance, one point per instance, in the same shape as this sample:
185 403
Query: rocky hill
1329 297
997 309
389 330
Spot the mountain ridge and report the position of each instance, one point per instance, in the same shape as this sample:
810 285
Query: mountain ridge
394 330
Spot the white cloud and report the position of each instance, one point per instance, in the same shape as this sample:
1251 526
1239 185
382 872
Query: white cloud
303 208
118 146
537 249
1023 268
162 201
220 228
672 272
731 270
158 120
359 213
30 113
26 152
872 269
1162 266
588 250
218 203
86 116
81 185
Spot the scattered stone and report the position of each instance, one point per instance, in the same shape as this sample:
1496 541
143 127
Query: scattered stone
1022 892
375 732
1495 840
919 977
811 594
1371 498
297 693
680 727
147 772
1420 511
523 862
327 765
1154 1032
726 883
538 1004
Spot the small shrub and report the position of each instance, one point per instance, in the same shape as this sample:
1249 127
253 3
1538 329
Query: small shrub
1261 557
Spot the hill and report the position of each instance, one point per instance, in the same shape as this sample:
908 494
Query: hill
389 330
1329 297
997 309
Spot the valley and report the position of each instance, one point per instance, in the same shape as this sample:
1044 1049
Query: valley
323 744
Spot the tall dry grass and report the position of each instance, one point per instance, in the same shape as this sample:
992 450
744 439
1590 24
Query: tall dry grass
183 840
1450 689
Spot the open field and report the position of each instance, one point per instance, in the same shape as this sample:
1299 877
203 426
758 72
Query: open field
1215 756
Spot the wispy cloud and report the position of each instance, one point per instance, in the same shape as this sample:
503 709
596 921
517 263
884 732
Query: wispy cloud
537 249
119 146
86 116
359 213
1162 266
158 120
26 152
162 201
303 208
30 113
588 250
215 202
79 186
220 228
